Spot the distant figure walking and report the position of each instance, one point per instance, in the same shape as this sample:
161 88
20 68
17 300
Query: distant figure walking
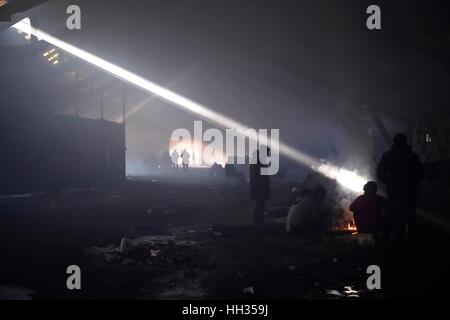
175 156
259 187
185 156
402 172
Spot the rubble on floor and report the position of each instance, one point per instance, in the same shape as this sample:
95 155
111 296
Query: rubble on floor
15 293
194 262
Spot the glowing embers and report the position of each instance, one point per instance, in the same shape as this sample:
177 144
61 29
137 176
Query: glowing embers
342 219
347 226
351 226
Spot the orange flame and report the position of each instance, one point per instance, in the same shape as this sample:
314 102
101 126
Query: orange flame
351 226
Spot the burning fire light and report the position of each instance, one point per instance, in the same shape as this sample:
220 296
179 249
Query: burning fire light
349 179
351 226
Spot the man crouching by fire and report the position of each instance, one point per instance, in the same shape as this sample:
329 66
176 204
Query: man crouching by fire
367 211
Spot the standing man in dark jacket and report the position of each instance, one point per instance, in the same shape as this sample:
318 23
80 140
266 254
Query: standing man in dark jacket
402 172
259 187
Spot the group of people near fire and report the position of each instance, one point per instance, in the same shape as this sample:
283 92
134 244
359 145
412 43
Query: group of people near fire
377 217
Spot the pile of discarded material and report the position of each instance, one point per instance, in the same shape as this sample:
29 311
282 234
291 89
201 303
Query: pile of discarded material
158 251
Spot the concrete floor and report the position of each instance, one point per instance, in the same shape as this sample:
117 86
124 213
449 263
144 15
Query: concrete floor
226 257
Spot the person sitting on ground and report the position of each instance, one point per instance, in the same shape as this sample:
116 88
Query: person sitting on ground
367 210
307 216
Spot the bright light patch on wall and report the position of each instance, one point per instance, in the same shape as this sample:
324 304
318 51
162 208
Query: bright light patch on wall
349 180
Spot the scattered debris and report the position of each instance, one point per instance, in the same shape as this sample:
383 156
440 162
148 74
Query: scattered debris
52 206
15 293
154 253
350 292
162 251
17 196
125 245
160 210
365 239
334 293
248 290
187 255
115 195
129 262
189 290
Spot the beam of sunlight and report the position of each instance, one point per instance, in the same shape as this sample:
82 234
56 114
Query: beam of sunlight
149 99
346 178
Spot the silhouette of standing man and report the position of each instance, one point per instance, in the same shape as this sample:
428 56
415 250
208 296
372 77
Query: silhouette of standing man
402 172
259 187
185 156
175 157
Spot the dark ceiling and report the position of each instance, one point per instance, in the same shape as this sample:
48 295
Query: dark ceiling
320 50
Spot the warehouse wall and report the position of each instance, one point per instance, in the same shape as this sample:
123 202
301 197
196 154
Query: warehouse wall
52 152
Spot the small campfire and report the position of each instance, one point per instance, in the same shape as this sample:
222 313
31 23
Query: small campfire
345 226
342 218
351 226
